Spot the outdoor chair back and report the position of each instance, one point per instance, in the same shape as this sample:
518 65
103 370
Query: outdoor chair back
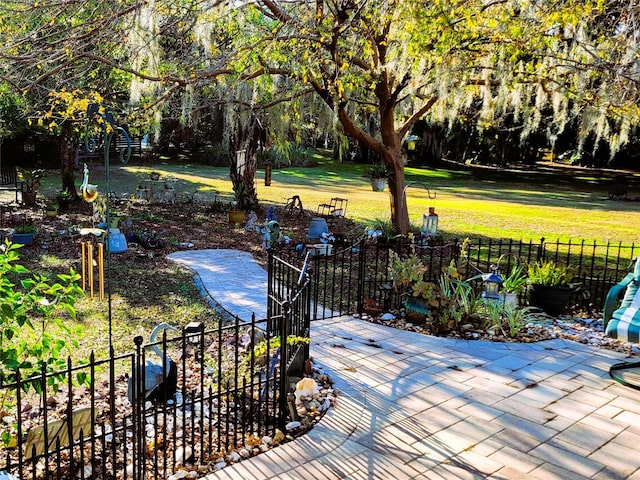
623 322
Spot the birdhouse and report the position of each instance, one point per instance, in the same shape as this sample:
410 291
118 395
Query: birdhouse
430 222
492 283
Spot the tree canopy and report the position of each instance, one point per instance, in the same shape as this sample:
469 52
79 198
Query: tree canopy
376 66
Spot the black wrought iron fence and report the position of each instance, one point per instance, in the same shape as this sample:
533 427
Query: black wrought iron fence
352 274
223 387
355 274
289 313
597 266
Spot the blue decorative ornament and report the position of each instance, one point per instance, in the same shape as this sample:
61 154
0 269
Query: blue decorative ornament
271 213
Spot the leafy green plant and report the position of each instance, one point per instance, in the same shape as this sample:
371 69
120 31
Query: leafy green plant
514 318
26 229
64 196
458 299
241 195
377 170
379 227
29 305
30 300
30 178
491 314
507 317
51 205
405 271
516 280
550 274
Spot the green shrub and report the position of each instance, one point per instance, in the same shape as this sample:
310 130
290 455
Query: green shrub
550 274
30 301
29 306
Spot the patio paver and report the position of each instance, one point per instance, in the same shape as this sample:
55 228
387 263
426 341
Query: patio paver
424 407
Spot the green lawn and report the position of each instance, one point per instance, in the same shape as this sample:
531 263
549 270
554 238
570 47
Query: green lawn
495 204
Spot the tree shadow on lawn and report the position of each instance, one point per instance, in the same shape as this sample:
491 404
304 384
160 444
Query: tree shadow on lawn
568 187
527 188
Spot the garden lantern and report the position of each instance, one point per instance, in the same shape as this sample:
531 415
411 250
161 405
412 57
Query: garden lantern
430 223
193 331
492 282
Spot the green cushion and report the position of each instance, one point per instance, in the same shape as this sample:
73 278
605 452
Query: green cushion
625 321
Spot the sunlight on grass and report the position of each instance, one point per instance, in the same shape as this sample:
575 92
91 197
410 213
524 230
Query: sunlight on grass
51 262
517 205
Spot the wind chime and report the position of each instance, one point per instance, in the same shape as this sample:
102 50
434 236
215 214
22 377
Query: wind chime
91 257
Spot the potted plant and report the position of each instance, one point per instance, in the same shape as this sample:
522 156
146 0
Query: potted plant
380 230
407 277
64 199
24 234
515 284
30 183
550 286
51 208
378 174
240 195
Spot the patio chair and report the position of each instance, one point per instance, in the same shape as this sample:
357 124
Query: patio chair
337 207
623 322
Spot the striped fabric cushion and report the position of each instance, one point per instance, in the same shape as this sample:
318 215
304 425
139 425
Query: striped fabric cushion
625 321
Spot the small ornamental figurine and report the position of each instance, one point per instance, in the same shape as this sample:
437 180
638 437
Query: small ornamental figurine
270 232
89 191
271 213
251 222
327 237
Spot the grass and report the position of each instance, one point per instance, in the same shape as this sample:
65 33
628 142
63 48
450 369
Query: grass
144 293
517 205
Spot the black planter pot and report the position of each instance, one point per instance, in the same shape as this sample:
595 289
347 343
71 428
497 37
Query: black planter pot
553 300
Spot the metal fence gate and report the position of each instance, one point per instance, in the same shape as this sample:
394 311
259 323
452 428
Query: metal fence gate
289 316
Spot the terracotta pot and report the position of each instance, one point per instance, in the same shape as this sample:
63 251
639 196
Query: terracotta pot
29 198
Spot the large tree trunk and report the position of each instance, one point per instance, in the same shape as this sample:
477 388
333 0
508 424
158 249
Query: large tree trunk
390 148
67 155
399 212
247 138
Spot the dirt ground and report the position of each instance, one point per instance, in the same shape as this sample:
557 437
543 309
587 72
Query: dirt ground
155 230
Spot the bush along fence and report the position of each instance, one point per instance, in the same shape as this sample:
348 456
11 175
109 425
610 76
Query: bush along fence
183 401
358 274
